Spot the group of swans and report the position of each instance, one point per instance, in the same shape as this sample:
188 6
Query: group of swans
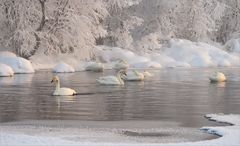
122 75
99 67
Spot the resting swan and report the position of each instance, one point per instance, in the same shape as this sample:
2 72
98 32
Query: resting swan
61 91
217 77
133 76
147 74
112 80
96 67
122 64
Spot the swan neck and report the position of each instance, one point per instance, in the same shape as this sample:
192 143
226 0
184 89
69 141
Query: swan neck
57 85
120 78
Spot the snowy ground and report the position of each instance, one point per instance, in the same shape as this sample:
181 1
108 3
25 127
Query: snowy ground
22 135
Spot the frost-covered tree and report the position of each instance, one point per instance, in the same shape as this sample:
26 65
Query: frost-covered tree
119 23
51 26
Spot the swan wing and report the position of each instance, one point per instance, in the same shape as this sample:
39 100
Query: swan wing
109 80
64 92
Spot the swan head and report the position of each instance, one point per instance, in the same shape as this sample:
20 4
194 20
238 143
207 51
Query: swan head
55 79
123 61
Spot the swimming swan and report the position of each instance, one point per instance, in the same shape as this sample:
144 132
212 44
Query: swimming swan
217 77
112 80
122 64
96 67
61 91
133 76
147 74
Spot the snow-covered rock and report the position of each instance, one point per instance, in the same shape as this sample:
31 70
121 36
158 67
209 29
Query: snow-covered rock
18 64
63 68
5 70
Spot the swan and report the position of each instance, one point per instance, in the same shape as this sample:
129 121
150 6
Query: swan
133 76
61 91
217 77
96 66
113 80
122 64
147 74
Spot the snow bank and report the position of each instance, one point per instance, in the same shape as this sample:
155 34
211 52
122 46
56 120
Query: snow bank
63 68
198 54
18 64
178 53
54 137
5 70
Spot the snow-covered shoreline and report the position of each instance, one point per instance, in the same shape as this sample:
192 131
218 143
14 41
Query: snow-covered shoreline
229 136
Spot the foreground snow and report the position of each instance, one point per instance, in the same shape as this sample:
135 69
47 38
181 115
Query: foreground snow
54 137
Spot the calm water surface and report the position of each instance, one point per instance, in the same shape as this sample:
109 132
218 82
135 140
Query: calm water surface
177 95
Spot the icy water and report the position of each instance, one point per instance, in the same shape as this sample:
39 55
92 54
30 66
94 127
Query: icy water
172 99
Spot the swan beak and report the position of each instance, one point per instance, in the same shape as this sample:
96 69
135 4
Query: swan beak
52 81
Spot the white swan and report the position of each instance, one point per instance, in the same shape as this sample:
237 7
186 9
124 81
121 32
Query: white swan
61 91
217 77
122 64
147 74
112 80
133 76
96 66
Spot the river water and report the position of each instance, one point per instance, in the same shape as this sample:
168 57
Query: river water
173 98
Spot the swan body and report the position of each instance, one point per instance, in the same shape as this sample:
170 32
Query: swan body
112 80
217 77
120 65
147 74
61 91
133 76
96 67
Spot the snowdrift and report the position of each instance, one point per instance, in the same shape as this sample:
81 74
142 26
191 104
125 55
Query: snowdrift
18 64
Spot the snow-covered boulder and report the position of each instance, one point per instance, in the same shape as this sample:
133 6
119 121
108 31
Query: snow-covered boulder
5 70
63 68
18 64
7 53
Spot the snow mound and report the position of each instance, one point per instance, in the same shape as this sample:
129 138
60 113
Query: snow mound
63 68
5 70
18 64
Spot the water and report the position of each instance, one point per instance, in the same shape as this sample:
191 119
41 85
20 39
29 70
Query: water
180 96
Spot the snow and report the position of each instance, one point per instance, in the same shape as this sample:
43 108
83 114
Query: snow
18 64
63 68
16 135
178 53
5 70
